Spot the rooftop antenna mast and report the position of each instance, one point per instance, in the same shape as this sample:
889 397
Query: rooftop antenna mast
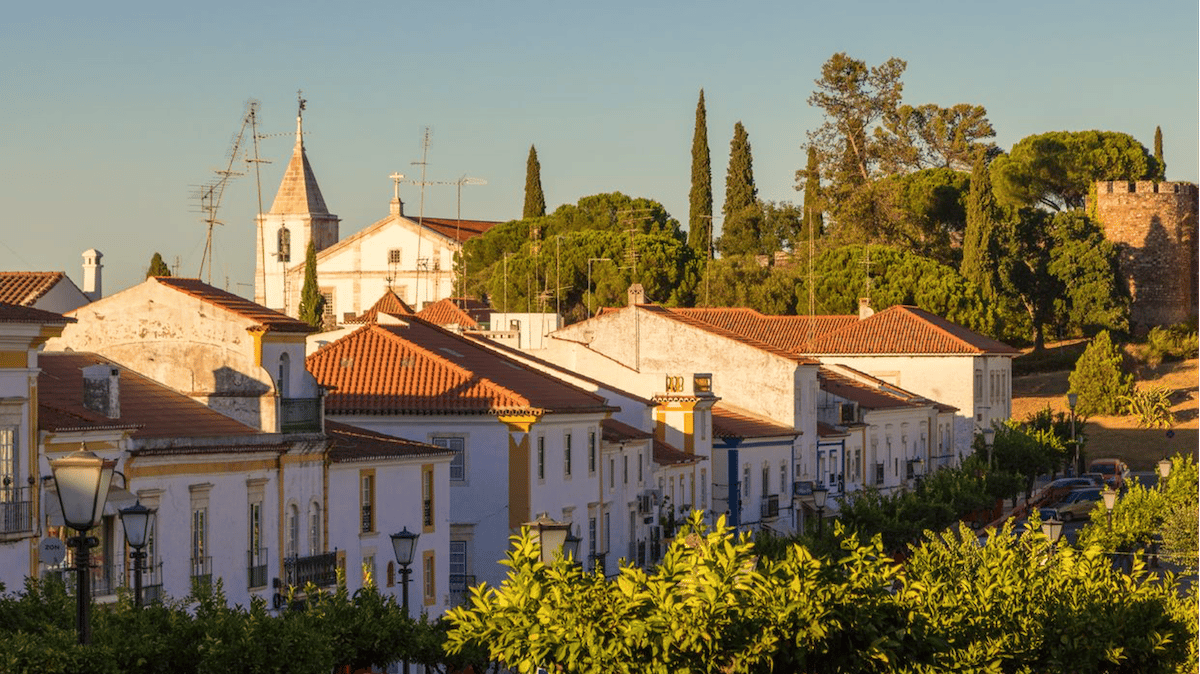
421 212
210 195
252 115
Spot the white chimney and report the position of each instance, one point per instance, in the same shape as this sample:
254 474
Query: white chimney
637 294
102 390
864 308
91 274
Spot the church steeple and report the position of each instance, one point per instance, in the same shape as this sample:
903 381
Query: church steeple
298 193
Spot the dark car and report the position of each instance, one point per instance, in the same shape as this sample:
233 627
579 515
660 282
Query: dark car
1113 471
1077 504
1058 489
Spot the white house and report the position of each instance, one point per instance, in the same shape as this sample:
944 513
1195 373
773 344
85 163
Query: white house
754 461
51 291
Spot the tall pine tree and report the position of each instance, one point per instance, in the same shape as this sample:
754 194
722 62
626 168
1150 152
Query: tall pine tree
312 302
700 200
740 233
1158 154
535 200
978 262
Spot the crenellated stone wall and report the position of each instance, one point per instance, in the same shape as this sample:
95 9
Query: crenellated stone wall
1154 227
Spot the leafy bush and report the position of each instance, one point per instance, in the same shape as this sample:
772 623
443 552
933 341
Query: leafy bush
1152 407
1170 343
1099 378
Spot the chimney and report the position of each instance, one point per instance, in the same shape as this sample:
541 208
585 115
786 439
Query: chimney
637 294
864 308
91 274
102 390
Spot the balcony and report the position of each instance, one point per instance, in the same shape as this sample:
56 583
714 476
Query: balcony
152 583
105 578
201 573
299 415
16 510
879 474
769 509
320 570
256 568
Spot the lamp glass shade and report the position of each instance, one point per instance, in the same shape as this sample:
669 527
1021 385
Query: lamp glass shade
136 521
1164 468
989 436
571 546
550 535
1110 498
1053 529
82 480
1072 398
819 496
918 466
404 544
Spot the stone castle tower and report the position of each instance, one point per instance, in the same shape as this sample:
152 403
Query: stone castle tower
1154 227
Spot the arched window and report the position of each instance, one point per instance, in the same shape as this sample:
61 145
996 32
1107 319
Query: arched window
285 367
285 244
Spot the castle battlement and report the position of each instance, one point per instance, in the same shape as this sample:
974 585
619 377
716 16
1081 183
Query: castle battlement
1144 187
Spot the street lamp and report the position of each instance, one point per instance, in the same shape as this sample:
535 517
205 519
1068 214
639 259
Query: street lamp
819 496
590 261
1110 501
1053 529
918 468
1072 399
550 535
136 521
404 544
82 480
571 547
1164 469
989 439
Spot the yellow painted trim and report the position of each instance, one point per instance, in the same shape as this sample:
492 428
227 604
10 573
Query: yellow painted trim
14 359
689 432
660 424
290 459
518 423
257 337
518 481
174 469
48 332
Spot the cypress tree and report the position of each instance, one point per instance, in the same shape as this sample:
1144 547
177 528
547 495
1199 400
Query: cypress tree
312 302
813 219
158 267
700 199
1158 154
978 264
535 200
742 216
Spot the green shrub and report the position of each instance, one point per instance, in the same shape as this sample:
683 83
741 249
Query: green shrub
1099 378
1170 343
1151 406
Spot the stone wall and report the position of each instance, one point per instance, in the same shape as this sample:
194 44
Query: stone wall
1154 227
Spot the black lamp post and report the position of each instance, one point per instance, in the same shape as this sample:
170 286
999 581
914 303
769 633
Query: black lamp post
404 544
551 535
81 480
989 439
819 496
136 521
571 547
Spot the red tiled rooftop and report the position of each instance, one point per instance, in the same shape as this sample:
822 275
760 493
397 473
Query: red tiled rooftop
389 303
267 319
724 332
733 422
155 410
612 430
784 332
446 312
13 313
350 443
903 329
666 455
876 396
459 230
416 367
27 287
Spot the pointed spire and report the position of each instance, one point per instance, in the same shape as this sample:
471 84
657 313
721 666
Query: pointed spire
298 192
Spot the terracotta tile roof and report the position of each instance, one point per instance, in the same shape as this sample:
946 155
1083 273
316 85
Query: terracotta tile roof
27 287
416 367
903 329
13 313
459 230
733 422
666 455
789 333
389 303
350 443
825 430
612 430
266 319
446 312
155 410
725 332
298 191
867 391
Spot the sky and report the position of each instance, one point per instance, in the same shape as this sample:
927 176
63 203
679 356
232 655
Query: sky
113 114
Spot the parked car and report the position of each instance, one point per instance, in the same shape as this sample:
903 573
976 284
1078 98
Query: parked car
1058 489
1113 471
1077 504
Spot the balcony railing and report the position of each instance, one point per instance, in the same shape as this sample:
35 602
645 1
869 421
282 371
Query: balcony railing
152 583
16 509
201 573
299 415
256 567
105 578
770 507
320 570
879 473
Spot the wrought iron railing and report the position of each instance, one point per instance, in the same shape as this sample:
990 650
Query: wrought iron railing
299 415
105 578
879 473
320 570
769 507
368 522
152 583
201 573
256 567
16 509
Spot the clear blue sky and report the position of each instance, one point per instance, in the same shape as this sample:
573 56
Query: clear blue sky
111 113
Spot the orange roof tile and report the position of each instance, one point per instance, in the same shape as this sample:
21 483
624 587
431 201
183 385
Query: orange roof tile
155 410
733 422
267 319
666 455
27 287
350 443
416 367
873 397
612 430
748 340
389 303
785 332
903 329
446 312
459 230
14 313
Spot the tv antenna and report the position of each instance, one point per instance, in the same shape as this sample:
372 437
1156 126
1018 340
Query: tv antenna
209 195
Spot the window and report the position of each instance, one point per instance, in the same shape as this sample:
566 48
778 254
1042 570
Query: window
458 566
284 245
639 467
429 582
746 481
625 468
293 531
766 479
394 256
592 537
255 527
567 455
612 469
427 497
368 570
201 561
199 533
541 457
315 546
327 315
366 494
591 451
458 464
978 384
607 530
703 488
8 464
783 478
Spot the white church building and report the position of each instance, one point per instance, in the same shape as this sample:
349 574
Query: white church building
413 257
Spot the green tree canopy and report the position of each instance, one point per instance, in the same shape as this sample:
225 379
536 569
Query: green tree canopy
979 240
157 267
700 199
1057 169
1099 378
930 136
1158 155
535 200
312 302
1094 295
741 229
